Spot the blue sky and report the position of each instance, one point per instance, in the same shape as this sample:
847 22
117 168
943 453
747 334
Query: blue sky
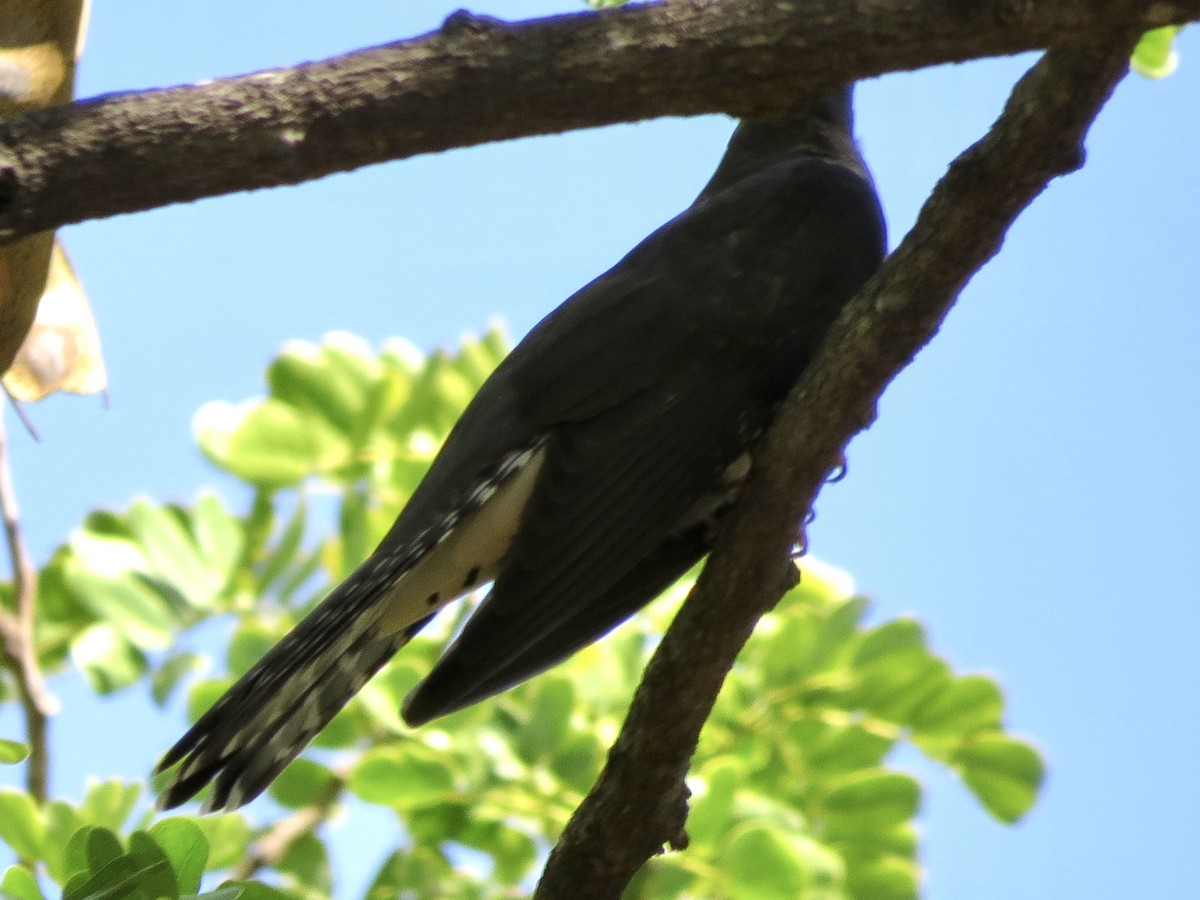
1029 490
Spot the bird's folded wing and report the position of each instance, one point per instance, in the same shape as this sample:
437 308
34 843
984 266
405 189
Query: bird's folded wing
611 492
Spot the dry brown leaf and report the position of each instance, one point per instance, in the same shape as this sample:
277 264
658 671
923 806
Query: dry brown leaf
62 350
40 40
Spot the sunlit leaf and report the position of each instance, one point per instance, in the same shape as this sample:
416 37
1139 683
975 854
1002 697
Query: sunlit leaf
553 702
106 659
307 861
102 847
155 875
302 783
284 548
127 603
256 890
228 835
967 704
21 824
267 443
185 845
108 803
872 799
62 821
19 883
882 877
1003 772
171 553
840 750
711 808
1155 55
763 863
320 379
405 776
172 671
12 751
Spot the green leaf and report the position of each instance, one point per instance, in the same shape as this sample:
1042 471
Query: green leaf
353 528
267 443
227 834
204 694
106 659
549 717
155 875
841 750
882 877
764 863
874 798
323 380
256 890
21 825
405 776
823 585
250 642
300 576
219 534
1003 772
18 883
712 808
75 854
174 669
302 783
966 705
120 879
307 861
898 840
578 759
1155 55
887 639
109 802
835 633
341 732
184 844
125 602
228 892
102 847
783 664
12 752
62 821
285 549
894 684
170 552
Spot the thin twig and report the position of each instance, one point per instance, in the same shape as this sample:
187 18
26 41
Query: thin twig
639 803
269 850
23 414
19 649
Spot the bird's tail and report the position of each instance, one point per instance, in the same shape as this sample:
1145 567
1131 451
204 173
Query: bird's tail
268 717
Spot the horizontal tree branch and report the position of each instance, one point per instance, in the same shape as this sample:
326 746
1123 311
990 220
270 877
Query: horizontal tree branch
478 80
639 803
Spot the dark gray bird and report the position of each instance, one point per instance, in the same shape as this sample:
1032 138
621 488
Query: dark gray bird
590 470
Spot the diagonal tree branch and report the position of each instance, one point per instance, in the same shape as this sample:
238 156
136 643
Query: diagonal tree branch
639 803
479 80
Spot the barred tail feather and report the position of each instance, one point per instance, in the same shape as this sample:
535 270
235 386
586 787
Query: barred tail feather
268 717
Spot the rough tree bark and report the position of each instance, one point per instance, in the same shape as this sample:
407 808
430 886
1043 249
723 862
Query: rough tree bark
479 80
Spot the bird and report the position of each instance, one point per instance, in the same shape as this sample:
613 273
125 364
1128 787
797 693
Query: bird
593 467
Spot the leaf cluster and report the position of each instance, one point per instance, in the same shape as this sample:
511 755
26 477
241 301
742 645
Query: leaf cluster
793 794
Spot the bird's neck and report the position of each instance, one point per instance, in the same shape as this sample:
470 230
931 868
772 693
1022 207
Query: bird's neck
822 127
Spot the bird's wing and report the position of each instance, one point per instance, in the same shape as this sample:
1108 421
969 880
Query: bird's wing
611 492
647 393
455 683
